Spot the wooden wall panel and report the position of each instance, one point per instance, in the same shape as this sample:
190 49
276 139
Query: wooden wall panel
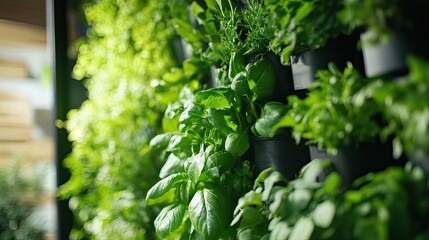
24 11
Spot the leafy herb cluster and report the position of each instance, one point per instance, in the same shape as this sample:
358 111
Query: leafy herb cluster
328 116
126 62
304 25
384 205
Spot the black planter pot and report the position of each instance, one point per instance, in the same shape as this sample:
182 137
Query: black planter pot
389 58
280 152
340 50
352 162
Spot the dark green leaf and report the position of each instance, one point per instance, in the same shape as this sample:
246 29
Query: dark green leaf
237 143
192 114
221 161
240 84
236 64
163 186
209 211
271 114
169 220
261 79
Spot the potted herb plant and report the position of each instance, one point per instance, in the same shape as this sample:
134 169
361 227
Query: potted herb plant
393 29
391 204
406 110
336 128
310 35
279 151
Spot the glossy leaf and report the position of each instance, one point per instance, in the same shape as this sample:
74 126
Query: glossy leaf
196 166
240 84
209 211
271 114
236 64
169 219
172 165
237 143
164 186
213 98
261 74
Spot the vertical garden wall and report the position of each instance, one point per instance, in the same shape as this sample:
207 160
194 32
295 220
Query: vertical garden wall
222 119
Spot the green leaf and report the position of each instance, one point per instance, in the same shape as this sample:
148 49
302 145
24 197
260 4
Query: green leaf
196 166
324 214
221 161
213 98
274 178
303 11
251 217
251 198
279 230
237 143
217 119
302 230
209 211
175 75
163 186
261 78
262 176
271 114
192 114
179 141
161 141
169 219
240 84
172 165
197 11
236 64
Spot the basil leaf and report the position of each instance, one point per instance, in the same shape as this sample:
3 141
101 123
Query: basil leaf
324 214
219 162
216 98
237 143
209 211
261 79
196 166
163 186
172 165
193 113
302 230
169 219
161 140
251 217
236 64
271 114
240 84
217 119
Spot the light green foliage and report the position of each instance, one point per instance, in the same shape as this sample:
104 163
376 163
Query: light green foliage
302 25
328 117
123 60
405 108
385 205
20 193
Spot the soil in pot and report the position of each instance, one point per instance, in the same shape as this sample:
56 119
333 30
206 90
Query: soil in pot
280 152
